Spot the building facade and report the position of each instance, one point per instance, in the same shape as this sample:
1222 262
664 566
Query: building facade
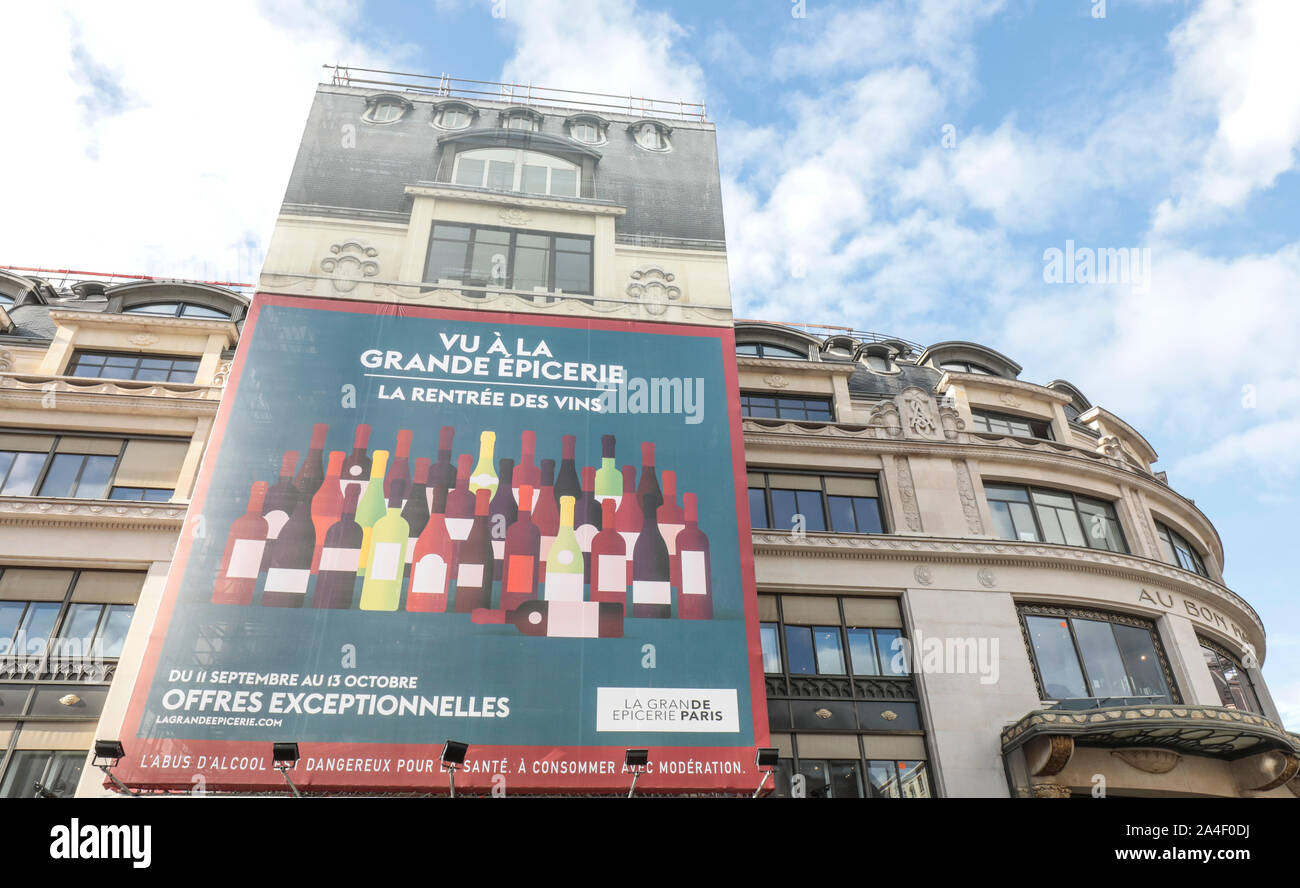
968 584
108 388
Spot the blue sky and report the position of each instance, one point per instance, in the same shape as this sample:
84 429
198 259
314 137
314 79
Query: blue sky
159 142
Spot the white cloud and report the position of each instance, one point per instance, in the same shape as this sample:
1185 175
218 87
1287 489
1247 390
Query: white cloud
158 137
1237 59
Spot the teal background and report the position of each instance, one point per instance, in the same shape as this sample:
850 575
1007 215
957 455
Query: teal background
298 361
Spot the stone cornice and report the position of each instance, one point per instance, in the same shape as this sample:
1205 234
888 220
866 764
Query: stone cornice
1008 552
511 199
862 439
999 383
29 389
145 322
44 511
1146 451
843 368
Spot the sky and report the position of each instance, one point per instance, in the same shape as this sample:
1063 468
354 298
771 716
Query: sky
899 166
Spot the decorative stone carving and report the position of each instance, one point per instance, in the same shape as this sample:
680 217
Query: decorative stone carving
917 409
1108 445
654 287
924 575
889 715
350 260
907 493
823 713
776 380
885 418
1148 761
1009 399
1051 791
951 421
514 216
1047 756
143 340
6 361
222 374
966 490
986 577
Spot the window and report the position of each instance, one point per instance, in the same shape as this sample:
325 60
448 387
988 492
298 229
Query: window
1083 656
838 503
34 628
517 260
966 367
6 300
385 112
1006 424
651 136
453 117
507 169
143 368
1178 552
521 121
880 363
88 467
1048 516
780 407
1230 679
178 310
585 131
766 350
56 773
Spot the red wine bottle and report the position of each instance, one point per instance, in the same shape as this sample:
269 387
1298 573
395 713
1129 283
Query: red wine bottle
523 545
460 502
327 504
671 517
474 560
566 482
356 468
503 510
416 510
444 470
280 502
289 559
400 467
628 518
651 571
568 619
311 473
336 575
609 560
545 515
240 563
434 556
586 519
649 485
526 471
695 600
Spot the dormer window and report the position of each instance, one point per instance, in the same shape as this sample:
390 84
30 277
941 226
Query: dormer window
510 169
453 116
385 109
523 120
651 135
178 310
588 129
767 350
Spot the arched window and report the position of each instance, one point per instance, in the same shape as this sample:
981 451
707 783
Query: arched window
453 116
178 310
510 169
767 350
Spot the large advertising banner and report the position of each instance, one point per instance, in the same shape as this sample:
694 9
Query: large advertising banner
522 532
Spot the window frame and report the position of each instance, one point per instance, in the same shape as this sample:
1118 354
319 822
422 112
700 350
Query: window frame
1112 618
826 514
1223 685
1041 537
761 347
789 402
51 757
960 366
1170 537
61 621
520 160
983 420
511 247
53 451
180 312
74 362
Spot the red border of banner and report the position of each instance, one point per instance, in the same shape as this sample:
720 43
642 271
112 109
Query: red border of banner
716 765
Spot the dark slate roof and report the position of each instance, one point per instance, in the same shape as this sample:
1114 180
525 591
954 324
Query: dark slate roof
676 194
32 321
866 384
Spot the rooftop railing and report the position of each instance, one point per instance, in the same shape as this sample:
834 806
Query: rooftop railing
517 93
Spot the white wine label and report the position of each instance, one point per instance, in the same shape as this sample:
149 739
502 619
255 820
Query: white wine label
274 521
613 573
564 556
340 558
285 579
459 528
585 534
651 592
470 576
629 539
385 562
410 549
483 480
695 578
669 533
563 586
573 619
498 549
245 558
668 710
430 577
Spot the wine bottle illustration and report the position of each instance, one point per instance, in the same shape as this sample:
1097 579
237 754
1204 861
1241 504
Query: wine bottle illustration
609 560
566 480
372 506
311 474
695 601
327 504
399 468
546 515
474 560
502 510
671 517
460 502
356 468
242 560
443 470
568 619
289 558
485 475
522 551
628 518
434 555
382 589
651 571
280 502
416 510
340 557
609 481
526 470
564 566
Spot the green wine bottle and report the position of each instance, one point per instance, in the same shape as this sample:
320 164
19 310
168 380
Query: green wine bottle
564 565
372 506
386 564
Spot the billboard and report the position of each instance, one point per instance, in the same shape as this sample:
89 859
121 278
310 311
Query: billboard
522 532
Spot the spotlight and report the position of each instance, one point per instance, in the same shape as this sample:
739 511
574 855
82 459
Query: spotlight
107 754
765 759
283 757
453 756
635 760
